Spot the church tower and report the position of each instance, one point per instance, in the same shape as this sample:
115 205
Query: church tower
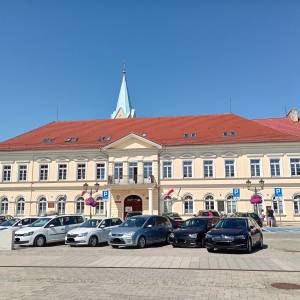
124 109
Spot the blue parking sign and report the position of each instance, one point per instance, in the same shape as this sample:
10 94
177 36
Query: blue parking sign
105 195
278 192
236 193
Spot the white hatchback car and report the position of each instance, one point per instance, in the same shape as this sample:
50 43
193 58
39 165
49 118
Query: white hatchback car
48 229
92 232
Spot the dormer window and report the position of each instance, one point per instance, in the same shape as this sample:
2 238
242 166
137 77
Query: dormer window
48 140
71 139
229 133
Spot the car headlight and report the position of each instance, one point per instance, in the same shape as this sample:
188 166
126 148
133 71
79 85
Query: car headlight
193 235
129 234
29 233
208 236
110 234
83 234
239 237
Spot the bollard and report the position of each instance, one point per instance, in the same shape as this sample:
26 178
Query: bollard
7 238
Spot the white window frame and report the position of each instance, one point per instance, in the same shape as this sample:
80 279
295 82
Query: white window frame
149 168
10 173
162 169
40 168
260 168
296 175
81 210
121 167
234 167
191 199
96 171
26 172
41 203
22 213
280 169
213 168
209 199
85 171
278 205
167 204
61 200
4 200
229 203
296 199
100 201
59 164
192 168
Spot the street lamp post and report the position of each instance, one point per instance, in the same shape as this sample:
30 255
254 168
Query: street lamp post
255 188
85 189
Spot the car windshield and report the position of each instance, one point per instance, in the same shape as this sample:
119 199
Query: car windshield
194 223
231 223
134 222
91 223
40 222
10 222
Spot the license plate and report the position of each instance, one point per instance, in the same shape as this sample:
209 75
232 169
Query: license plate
70 240
223 238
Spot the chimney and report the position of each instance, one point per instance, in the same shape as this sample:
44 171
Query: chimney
293 115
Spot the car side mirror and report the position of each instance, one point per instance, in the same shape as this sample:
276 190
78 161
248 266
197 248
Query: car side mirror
19 224
149 226
51 225
102 226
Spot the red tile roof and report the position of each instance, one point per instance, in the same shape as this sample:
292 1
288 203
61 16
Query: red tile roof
166 131
284 125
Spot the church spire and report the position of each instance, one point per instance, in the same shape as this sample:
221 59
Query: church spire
124 109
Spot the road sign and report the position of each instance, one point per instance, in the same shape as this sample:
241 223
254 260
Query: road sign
236 193
105 195
278 192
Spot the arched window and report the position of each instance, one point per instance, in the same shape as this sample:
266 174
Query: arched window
80 205
297 204
209 202
188 204
20 207
4 206
167 204
277 205
61 205
231 205
42 206
100 207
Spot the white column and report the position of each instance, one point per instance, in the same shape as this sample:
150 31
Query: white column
150 204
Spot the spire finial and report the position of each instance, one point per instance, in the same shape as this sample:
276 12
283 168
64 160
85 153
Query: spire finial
124 69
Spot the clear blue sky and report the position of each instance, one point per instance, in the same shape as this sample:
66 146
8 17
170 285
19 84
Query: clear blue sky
183 57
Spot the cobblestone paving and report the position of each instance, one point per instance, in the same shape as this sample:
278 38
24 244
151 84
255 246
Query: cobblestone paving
66 272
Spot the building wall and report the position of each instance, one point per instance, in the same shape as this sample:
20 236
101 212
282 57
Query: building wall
140 151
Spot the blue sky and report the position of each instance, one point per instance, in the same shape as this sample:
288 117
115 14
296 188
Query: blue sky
182 57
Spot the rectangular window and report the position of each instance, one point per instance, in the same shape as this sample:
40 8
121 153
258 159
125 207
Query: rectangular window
147 169
118 172
62 171
229 168
100 171
6 173
81 171
167 169
188 206
22 173
295 166
187 169
255 167
133 171
275 167
208 168
43 172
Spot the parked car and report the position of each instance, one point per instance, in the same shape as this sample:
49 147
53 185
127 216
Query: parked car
174 218
252 215
141 231
46 230
132 214
192 232
209 213
4 218
234 234
15 224
92 232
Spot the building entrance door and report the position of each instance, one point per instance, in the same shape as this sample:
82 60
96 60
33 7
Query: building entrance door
132 203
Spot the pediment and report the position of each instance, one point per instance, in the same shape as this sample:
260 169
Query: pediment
81 158
62 159
43 160
208 155
229 155
132 141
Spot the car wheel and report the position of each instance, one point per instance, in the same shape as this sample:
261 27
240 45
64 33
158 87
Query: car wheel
249 246
210 249
93 241
141 242
39 241
115 246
